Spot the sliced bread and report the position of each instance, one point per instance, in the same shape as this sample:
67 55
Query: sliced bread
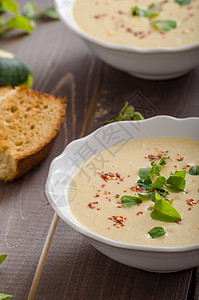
29 124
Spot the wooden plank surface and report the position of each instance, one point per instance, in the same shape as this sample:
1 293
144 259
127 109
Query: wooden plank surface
63 65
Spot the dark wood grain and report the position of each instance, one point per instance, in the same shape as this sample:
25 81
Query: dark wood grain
63 65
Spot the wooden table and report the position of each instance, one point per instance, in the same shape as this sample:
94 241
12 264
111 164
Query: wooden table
63 65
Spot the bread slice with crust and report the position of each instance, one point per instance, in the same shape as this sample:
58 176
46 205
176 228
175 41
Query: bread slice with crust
29 124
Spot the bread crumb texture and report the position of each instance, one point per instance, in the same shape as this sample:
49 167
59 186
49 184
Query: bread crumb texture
29 124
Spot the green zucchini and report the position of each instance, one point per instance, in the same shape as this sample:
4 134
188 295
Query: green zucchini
13 71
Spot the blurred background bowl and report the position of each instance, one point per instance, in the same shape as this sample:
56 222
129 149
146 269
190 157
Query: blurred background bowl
156 63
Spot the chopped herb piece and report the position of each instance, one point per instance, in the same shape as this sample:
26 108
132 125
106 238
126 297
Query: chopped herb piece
143 196
181 173
144 183
152 11
164 25
136 11
30 11
176 182
183 2
155 170
156 232
5 296
126 113
164 211
51 13
137 116
159 182
143 173
2 258
20 22
162 192
128 201
194 170
162 160
150 208
151 195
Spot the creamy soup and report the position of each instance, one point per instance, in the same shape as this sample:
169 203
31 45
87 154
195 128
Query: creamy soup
112 21
97 202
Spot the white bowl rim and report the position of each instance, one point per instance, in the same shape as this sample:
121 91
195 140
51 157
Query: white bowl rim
104 240
118 47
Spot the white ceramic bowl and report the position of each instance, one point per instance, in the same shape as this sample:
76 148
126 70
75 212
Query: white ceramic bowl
156 259
157 63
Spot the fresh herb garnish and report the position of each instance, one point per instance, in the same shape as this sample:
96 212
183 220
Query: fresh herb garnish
156 232
149 208
194 170
164 211
5 296
2 258
143 196
183 2
162 161
128 201
176 182
22 21
144 183
126 113
155 170
152 11
164 25
159 182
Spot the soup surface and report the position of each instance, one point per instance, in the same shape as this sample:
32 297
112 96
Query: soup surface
112 21
97 201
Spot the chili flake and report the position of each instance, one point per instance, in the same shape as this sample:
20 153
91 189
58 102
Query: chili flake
139 213
118 221
91 204
136 188
180 158
110 176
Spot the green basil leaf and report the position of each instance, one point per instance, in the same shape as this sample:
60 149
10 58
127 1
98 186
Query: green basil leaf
149 208
173 189
5 296
154 196
162 160
183 2
164 25
136 11
2 258
159 182
143 196
30 11
2 9
155 170
164 211
181 173
162 192
20 22
152 11
143 173
144 183
151 195
194 170
10 5
137 116
128 201
156 232
176 182
51 13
